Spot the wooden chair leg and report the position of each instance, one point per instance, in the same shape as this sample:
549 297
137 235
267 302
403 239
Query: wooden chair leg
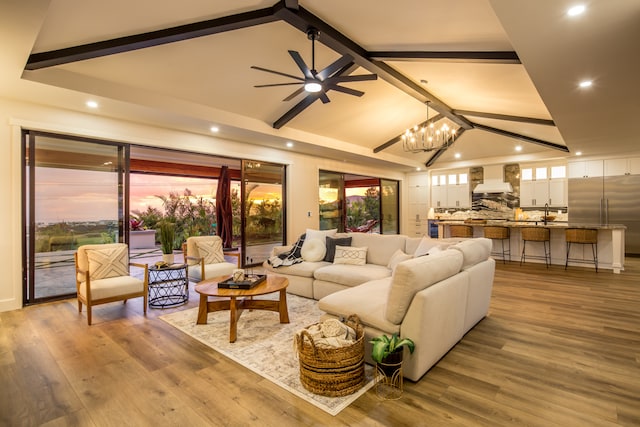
89 315
79 306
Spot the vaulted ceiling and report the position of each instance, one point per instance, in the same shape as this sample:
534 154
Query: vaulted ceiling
505 72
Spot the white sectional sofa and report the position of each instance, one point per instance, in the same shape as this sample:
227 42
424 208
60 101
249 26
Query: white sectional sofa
318 279
433 299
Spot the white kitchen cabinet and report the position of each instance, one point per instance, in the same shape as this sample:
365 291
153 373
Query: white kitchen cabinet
558 192
418 180
534 193
439 196
537 193
458 196
586 169
624 166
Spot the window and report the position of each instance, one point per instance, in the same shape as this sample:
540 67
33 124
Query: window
541 173
558 172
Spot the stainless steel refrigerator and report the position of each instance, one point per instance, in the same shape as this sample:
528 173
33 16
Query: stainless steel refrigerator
608 200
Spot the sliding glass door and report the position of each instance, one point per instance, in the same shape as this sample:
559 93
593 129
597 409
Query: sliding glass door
74 195
331 196
389 206
358 203
263 216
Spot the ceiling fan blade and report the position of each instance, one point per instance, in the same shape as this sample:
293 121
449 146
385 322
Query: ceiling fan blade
335 66
356 78
300 63
277 84
294 94
346 90
277 72
324 98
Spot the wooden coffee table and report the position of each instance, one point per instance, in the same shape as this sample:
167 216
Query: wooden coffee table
240 299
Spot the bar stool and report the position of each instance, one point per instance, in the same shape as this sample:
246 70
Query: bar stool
582 236
461 231
502 234
536 234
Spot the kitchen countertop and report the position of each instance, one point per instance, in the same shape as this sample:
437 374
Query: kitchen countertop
520 224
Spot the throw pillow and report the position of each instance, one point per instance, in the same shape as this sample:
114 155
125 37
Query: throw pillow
110 262
319 235
313 250
350 255
211 251
397 257
436 249
331 244
425 244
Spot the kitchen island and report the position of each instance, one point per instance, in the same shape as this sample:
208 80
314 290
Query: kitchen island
611 247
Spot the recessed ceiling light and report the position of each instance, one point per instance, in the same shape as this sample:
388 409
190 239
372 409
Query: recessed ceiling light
585 83
576 10
457 155
92 104
518 147
578 153
289 144
418 169
214 129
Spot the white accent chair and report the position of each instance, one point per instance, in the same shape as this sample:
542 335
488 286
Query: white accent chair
102 276
205 258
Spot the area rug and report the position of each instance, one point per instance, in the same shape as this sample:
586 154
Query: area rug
265 346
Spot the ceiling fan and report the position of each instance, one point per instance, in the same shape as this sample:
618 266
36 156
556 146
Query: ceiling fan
320 82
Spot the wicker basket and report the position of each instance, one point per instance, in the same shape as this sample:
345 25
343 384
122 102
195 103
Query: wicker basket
461 231
332 372
581 235
537 234
494 232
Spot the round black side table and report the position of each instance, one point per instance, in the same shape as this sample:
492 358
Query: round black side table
168 286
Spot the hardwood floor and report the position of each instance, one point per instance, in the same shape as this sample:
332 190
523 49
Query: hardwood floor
559 348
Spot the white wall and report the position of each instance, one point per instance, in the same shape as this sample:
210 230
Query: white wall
302 179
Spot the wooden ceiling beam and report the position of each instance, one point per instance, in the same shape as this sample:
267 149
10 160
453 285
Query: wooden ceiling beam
485 57
52 58
524 138
520 119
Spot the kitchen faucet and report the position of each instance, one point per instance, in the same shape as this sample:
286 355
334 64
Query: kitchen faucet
546 212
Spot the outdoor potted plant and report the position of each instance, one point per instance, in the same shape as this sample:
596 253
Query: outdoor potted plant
167 240
387 352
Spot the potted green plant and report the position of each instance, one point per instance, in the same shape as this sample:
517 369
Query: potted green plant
167 240
387 352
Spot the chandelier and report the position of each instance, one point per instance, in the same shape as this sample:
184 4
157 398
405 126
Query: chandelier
428 136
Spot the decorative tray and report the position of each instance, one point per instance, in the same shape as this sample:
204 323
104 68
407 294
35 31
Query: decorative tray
249 282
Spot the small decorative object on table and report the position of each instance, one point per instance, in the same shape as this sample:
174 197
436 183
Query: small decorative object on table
248 281
387 353
331 370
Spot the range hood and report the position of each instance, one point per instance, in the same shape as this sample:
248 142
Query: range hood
493 181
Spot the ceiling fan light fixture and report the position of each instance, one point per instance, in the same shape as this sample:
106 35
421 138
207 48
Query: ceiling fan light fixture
312 86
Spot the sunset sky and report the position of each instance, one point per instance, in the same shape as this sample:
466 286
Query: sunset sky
79 195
